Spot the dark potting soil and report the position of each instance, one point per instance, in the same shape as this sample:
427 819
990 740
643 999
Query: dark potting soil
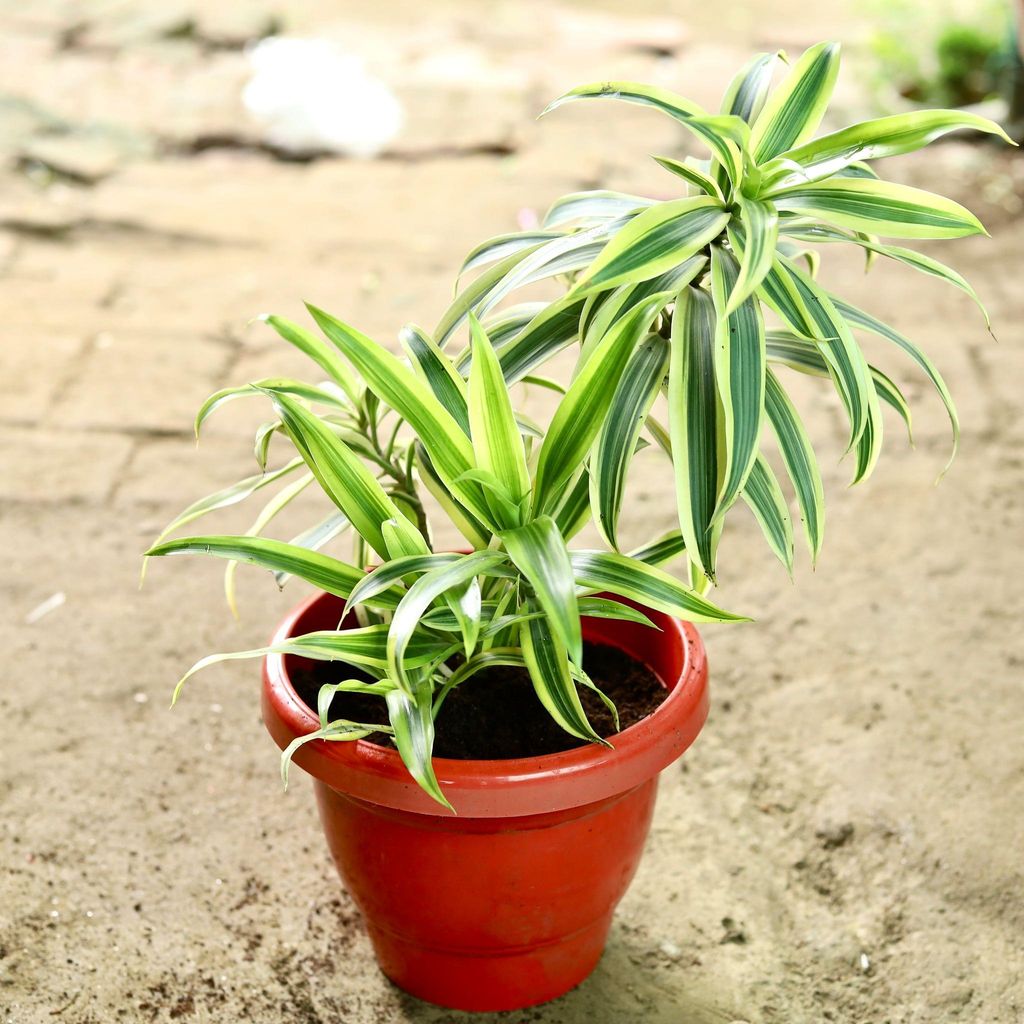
496 714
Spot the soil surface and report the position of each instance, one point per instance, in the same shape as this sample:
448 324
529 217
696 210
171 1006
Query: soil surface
842 843
496 714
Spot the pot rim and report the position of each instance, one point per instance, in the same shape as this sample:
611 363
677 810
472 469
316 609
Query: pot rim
509 787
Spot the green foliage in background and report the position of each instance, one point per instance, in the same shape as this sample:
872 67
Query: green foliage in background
701 304
940 53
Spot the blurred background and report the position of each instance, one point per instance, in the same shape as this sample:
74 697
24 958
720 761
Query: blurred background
844 841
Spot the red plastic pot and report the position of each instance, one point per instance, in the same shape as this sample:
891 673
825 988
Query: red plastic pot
508 903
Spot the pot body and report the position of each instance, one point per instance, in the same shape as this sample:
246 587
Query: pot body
508 903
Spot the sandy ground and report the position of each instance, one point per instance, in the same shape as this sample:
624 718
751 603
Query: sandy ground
844 843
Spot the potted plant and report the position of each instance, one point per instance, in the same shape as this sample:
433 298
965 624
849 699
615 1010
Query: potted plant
458 711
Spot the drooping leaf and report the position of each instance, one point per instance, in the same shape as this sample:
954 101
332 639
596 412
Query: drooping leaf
760 235
413 722
613 452
538 551
594 206
801 464
548 664
765 499
696 177
693 402
582 411
739 374
327 573
329 395
644 583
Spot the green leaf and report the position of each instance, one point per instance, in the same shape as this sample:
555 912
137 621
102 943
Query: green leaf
315 537
504 245
760 235
322 571
437 371
312 346
720 133
885 136
225 497
548 665
661 551
270 510
616 442
324 395
795 109
865 321
413 721
538 551
336 731
748 91
450 451
573 513
655 241
593 207
696 177
343 477
847 365
607 608
763 495
581 412
497 443
465 522
693 402
801 464
806 357
880 207
473 296
647 585
413 606
555 327
390 574
739 372
917 260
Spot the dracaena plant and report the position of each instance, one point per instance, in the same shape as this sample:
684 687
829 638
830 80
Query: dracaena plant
661 298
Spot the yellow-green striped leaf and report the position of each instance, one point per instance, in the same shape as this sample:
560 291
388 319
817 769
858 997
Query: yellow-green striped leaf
881 208
739 374
765 499
760 235
644 583
655 241
412 720
547 661
801 464
795 109
497 443
538 551
326 573
437 371
884 136
640 384
581 412
694 419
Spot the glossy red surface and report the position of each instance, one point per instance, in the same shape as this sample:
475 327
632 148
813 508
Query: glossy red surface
509 903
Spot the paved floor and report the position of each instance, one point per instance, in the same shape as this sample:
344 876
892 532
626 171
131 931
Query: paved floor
844 841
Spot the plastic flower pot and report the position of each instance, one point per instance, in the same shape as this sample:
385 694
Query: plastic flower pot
509 902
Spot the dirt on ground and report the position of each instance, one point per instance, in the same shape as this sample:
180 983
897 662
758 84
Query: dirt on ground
843 843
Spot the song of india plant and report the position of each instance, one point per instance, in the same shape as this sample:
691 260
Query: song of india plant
701 303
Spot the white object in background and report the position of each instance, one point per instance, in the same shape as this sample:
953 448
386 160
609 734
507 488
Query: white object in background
309 95
51 604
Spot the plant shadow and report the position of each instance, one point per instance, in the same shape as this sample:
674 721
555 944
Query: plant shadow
629 984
